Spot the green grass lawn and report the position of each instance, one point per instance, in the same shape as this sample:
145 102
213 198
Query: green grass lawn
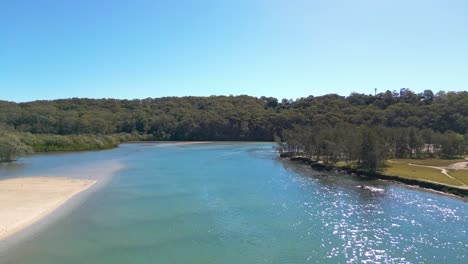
402 169
461 175
429 162
341 164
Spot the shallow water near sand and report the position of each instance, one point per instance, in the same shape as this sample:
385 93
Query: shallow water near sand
236 203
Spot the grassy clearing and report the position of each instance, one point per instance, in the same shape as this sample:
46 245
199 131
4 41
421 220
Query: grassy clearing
402 169
461 175
341 164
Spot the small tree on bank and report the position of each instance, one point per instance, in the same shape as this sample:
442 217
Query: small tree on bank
372 153
11 147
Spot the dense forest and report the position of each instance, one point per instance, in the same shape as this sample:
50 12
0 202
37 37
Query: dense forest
233 118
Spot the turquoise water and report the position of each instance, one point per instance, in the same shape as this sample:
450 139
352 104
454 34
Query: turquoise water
236 203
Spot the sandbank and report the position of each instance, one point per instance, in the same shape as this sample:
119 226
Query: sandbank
24 201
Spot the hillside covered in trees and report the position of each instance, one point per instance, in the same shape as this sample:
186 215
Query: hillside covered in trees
235 117
424 116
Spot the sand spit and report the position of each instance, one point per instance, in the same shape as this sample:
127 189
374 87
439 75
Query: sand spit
24 201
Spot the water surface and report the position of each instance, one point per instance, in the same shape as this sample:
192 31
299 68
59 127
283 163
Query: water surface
236 203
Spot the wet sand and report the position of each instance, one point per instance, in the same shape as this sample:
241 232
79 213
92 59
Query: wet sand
24 201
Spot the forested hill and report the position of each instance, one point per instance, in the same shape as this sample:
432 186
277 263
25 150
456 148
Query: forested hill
235 117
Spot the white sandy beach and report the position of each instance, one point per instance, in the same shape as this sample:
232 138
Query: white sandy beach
24 201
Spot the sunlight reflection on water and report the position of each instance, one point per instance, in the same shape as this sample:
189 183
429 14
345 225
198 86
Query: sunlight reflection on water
238 203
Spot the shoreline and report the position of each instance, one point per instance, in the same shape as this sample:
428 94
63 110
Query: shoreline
192 141
100 173
26 201
53 151
429 185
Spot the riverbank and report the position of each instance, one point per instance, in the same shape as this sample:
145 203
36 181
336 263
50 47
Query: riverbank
445 188
25 201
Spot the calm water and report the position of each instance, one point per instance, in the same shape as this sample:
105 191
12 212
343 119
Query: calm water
236 203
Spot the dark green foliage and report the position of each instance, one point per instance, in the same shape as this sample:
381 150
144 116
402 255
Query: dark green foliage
170 118
11 147
14 144
236 117
413 125
361 147
451 144
371 153
367 147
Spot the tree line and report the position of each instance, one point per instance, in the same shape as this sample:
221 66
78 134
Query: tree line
235 117
230 117
368 147
15 144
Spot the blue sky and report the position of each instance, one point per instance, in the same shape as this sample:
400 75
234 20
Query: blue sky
282 48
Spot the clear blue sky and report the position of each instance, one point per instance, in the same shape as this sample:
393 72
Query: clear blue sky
287 49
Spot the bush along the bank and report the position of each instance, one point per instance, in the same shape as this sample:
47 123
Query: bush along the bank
11 147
